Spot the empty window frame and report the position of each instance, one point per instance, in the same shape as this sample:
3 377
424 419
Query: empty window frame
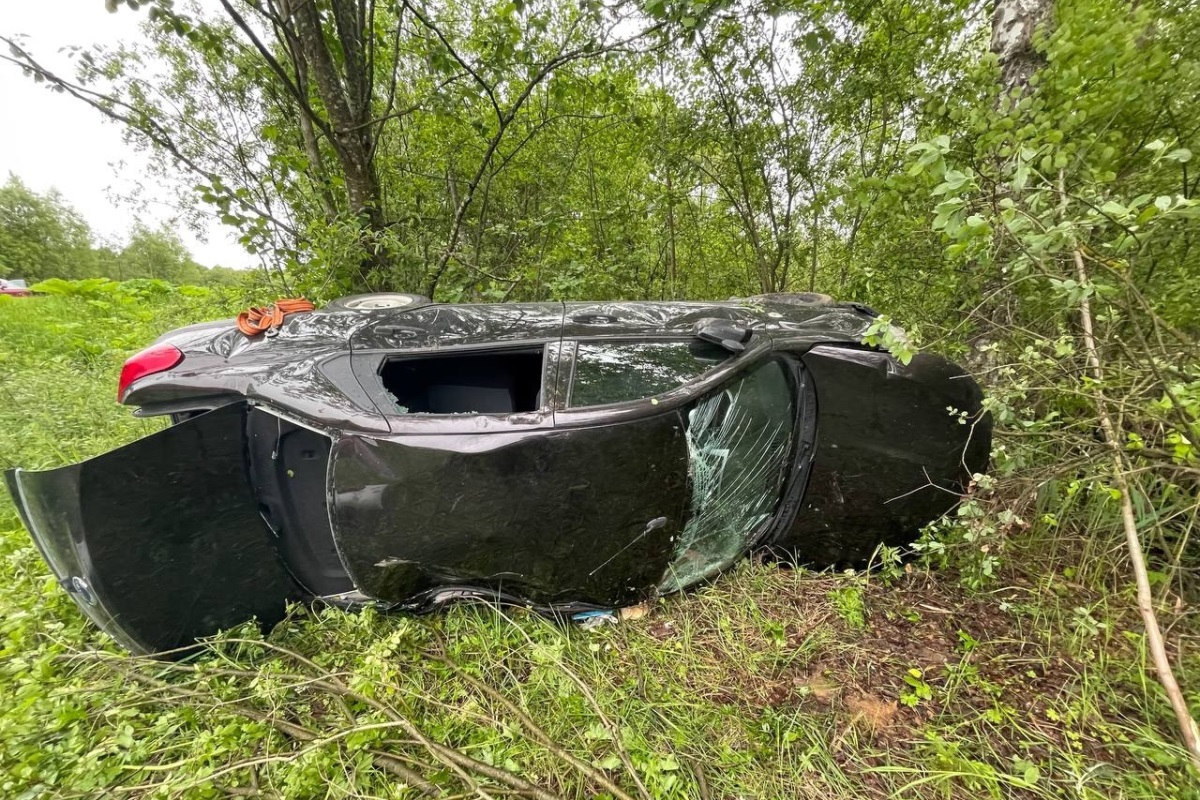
475 383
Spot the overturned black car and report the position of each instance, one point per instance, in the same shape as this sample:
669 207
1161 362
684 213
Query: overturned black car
568 456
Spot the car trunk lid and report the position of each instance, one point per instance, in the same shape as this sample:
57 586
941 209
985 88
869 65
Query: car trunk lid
161 541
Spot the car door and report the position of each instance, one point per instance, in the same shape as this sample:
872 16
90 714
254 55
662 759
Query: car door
748 427
476 489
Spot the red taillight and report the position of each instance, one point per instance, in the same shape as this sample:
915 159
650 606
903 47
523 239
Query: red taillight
158 358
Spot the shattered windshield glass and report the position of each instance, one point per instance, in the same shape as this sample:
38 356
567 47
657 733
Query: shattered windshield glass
738 446
613 372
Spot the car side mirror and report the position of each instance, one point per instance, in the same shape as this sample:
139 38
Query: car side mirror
723 332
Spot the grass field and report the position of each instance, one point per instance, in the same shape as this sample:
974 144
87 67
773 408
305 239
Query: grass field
767 683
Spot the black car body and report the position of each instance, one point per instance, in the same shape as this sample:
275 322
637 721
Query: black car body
568 456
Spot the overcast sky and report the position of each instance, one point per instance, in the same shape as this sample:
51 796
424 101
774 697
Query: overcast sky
53 140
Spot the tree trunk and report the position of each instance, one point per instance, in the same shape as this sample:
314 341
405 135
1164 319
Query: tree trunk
347 103
816 242
351 136
312 149
1013 26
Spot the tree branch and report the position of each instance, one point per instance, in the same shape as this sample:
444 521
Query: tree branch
1137 559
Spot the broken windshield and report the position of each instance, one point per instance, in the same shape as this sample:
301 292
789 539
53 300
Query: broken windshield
738 440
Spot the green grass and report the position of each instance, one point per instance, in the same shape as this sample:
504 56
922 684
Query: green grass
767 683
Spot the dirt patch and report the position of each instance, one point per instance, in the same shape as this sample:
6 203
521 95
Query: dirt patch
926 647
872 714
928 670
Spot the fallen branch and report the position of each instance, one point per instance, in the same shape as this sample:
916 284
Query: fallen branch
457 761
381 760
1145 598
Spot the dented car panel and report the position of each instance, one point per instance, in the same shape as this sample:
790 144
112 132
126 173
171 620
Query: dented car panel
897 445
566 456
588 516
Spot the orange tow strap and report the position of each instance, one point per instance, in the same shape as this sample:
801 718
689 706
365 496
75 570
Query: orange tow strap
254 321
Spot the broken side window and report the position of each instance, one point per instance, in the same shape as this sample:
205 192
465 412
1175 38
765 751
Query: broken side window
471 383
739 441
613 372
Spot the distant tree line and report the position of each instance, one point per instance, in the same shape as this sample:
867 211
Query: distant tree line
42 236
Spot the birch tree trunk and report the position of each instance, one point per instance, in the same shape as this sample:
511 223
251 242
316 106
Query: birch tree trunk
1013 26
1014 23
